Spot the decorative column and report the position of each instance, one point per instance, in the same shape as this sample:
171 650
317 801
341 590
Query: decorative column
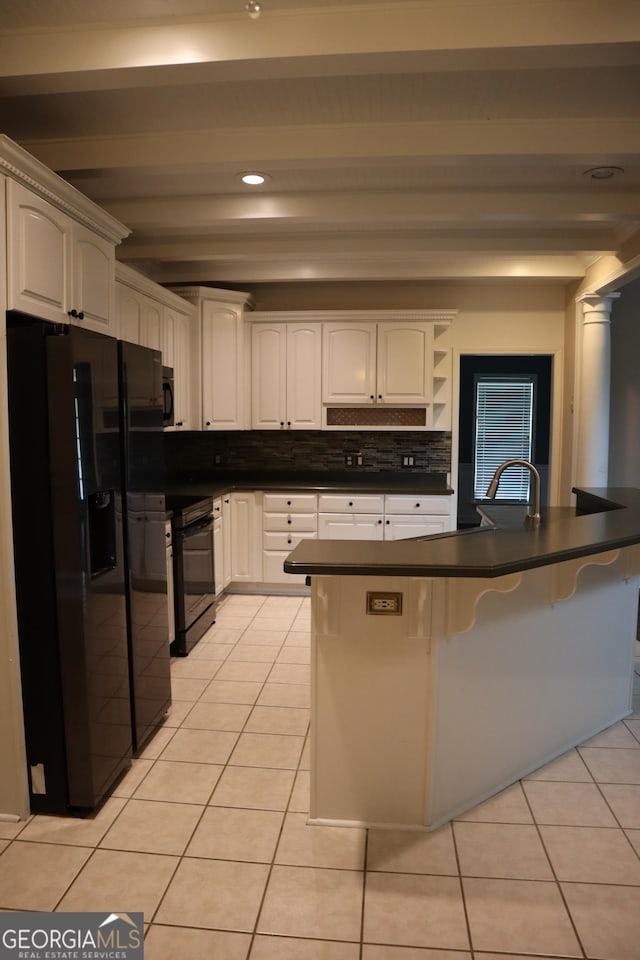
594 398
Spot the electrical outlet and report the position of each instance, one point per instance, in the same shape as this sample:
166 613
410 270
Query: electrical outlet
408 460
384 603
353 459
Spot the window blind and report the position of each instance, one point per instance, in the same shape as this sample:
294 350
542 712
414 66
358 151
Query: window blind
504 423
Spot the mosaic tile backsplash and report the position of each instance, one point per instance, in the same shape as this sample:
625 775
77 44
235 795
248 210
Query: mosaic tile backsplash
199 455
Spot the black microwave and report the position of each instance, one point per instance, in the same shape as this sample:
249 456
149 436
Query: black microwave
167 397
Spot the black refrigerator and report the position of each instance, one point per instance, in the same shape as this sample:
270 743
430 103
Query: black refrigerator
81 672
69 561
141 419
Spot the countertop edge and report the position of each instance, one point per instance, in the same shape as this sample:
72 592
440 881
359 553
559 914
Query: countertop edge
616 527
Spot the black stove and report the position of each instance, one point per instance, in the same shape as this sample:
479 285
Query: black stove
193 570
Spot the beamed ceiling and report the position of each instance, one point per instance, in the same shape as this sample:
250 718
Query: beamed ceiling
402 141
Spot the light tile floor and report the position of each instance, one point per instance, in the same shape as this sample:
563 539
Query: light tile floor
207 835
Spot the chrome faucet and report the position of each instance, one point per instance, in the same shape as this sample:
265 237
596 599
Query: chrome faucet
532 519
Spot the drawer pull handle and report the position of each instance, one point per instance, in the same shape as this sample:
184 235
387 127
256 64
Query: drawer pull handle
417 504
289 540
289 520
288 503
350 503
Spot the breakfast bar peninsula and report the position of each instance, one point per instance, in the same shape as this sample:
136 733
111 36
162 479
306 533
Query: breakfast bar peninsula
444 668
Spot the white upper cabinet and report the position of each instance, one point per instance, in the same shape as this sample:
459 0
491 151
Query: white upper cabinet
93 279
377 362
58 268
268 376
140 317
349 362
286 363
129 303
154 317
220 361
176 353
223 379
39 253
404 367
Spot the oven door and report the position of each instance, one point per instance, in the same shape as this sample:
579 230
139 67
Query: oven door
197 569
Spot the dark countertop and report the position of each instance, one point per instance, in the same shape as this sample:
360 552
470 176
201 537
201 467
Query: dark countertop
315 482
604 519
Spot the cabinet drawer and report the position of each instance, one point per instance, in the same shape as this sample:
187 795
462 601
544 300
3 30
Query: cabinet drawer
398 527
290 503
291 521
439 506
355 503
285 541
345 526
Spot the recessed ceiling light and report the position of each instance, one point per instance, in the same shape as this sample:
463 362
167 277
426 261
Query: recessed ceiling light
253 179
602 173
253 8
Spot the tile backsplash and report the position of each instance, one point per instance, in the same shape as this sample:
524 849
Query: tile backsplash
197 455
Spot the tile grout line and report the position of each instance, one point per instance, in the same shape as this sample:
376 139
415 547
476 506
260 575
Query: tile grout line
554 875
224 768
365 869
462 891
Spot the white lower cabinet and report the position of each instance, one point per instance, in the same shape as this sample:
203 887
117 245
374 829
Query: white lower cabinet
246 557
218 546
416 516
226 540
287 519
254 532
170 588
356 517
357 526
382 517
403 528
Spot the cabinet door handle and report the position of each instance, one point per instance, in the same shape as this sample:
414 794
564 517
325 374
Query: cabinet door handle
371 397
288 423
387 522
208 424
380 521
282 423
379 396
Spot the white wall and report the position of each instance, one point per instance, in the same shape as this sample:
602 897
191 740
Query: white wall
624 431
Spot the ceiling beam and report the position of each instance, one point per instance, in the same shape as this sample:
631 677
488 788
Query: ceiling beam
340 30
430 267
393 208
574 139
